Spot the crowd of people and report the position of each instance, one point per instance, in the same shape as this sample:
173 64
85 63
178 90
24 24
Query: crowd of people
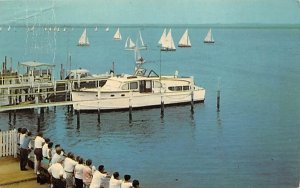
66 170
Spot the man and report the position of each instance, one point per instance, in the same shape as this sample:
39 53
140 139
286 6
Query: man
99 178
38 151
24 150
57 156
126 183
114 181
135 184
69 165
45 148
57 173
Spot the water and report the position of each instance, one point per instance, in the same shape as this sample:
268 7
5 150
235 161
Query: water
252 142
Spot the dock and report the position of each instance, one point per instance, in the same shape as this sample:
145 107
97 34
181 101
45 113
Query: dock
12 177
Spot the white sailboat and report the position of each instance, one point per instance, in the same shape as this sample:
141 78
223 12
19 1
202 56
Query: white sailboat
0 29
83 40
129 44
107 29
163 36
209 37
142 45
118 35
8 29
168 43
96 29
185 40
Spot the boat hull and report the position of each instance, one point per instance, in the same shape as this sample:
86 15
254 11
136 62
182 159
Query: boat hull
89 101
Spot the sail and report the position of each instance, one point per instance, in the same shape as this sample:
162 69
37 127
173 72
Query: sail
118 35
142 44
185 40
129 44
96 29
163 36
168 43
83 40
107 29
209 38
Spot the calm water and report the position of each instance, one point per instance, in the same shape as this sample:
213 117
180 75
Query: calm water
252 142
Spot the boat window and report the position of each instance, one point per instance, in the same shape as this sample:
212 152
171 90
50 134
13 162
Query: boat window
133 85
125 87
185 88
175 88
112 95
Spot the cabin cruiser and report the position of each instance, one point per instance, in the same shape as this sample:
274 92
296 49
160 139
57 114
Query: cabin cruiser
138 91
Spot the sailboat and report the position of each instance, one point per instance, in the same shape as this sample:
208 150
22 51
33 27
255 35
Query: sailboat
83 40
118 35
8 29
209 37
96 29
163 36
167 43
185 40
107 29
142 45
129 44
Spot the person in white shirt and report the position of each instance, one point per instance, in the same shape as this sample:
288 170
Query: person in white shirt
57 156
78 171
135 184
126 183
69 165
114 181
38 144
45 148
22 135
99 178
57 172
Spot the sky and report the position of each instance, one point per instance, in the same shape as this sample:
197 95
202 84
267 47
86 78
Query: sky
149 11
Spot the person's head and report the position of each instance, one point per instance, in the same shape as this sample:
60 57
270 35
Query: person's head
58 150
70 155
135 183
50 145
47 140
80 160
24 130
88 162
20 130
101 168
29 133
57 145
127 177
116 175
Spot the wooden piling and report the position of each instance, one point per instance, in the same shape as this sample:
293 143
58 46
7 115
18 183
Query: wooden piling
192 101
162 107
14 118
78 117
130 107
99 115
218 100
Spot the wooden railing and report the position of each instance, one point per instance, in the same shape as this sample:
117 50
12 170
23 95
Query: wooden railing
8 143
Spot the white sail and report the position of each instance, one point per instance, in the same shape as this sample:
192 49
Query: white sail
118 35
209 37
107 29
168 42
8 29
96 29
83 40
0 29
129 44
142 45
185 40
163 37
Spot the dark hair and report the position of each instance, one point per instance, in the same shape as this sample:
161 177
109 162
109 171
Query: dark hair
80 160
57 145
47 140
50 144
24 130
29 133
101 168
127 177
88 162
135 183
19 129
40 134
116 175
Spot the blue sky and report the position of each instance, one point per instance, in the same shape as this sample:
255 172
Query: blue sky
149 11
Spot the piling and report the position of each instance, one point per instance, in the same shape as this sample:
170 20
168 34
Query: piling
162 107
218 96
218 100
14 118
130 107
99 115
192 102
78 117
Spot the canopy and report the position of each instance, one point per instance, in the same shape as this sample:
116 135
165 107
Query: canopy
36 64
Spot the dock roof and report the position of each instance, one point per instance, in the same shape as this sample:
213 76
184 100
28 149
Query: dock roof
36 64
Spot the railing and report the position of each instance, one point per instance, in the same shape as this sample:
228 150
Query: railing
8 143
